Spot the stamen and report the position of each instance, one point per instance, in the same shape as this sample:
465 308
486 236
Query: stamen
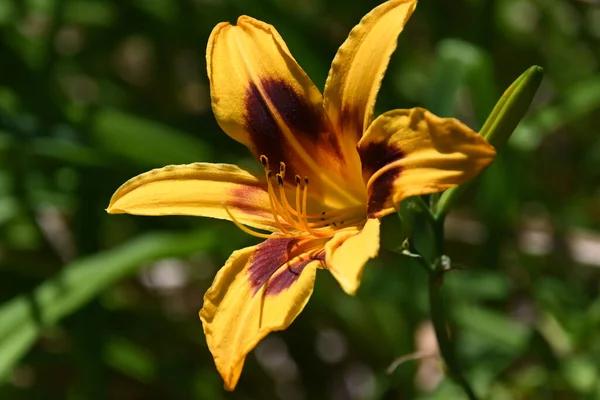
303 218
347 216
285 206
273 199
255 233
290 219
276 209
296 212
264 161
282 169
244 228
298 188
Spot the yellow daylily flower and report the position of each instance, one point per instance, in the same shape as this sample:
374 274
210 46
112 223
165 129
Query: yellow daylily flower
330 173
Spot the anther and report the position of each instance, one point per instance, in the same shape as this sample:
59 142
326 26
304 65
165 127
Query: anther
297 177
306 180
282 168
279 179
264 161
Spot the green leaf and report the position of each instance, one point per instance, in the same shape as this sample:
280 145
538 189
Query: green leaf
575 103
91 12
68 152
145 142
493 326
459 65
131 359
23 318
163 10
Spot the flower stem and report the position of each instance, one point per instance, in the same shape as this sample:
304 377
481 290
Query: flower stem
438 312
438 317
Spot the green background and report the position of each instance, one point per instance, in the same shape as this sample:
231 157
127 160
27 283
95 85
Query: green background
94 306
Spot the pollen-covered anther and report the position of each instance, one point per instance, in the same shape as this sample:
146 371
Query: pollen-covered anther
298 180
279 179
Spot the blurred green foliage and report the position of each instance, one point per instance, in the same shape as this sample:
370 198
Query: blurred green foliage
94 306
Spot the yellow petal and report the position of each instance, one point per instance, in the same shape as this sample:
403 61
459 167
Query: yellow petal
263 99
348 252
199 189
413 152
359 65
260 289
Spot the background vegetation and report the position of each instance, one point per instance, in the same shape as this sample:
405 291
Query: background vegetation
92 306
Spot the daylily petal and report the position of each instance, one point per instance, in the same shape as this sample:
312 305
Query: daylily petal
348 252
260 289
406 153
199 189
263 99
359 65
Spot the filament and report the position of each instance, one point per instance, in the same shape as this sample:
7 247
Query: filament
294 221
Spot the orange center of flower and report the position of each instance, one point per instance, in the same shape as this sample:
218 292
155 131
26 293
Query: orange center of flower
293 219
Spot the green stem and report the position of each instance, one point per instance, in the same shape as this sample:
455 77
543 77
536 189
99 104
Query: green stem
438 312
438 317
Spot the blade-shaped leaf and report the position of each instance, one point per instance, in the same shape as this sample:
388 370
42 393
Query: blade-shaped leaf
23 318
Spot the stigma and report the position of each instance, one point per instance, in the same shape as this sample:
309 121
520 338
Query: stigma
290 212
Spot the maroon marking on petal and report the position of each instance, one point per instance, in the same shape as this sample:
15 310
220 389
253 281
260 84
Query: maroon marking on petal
243 198
376 155
306 122
269 256
265 134
286 278
290 274
331 141
299 115
380 191
318 255
351 122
